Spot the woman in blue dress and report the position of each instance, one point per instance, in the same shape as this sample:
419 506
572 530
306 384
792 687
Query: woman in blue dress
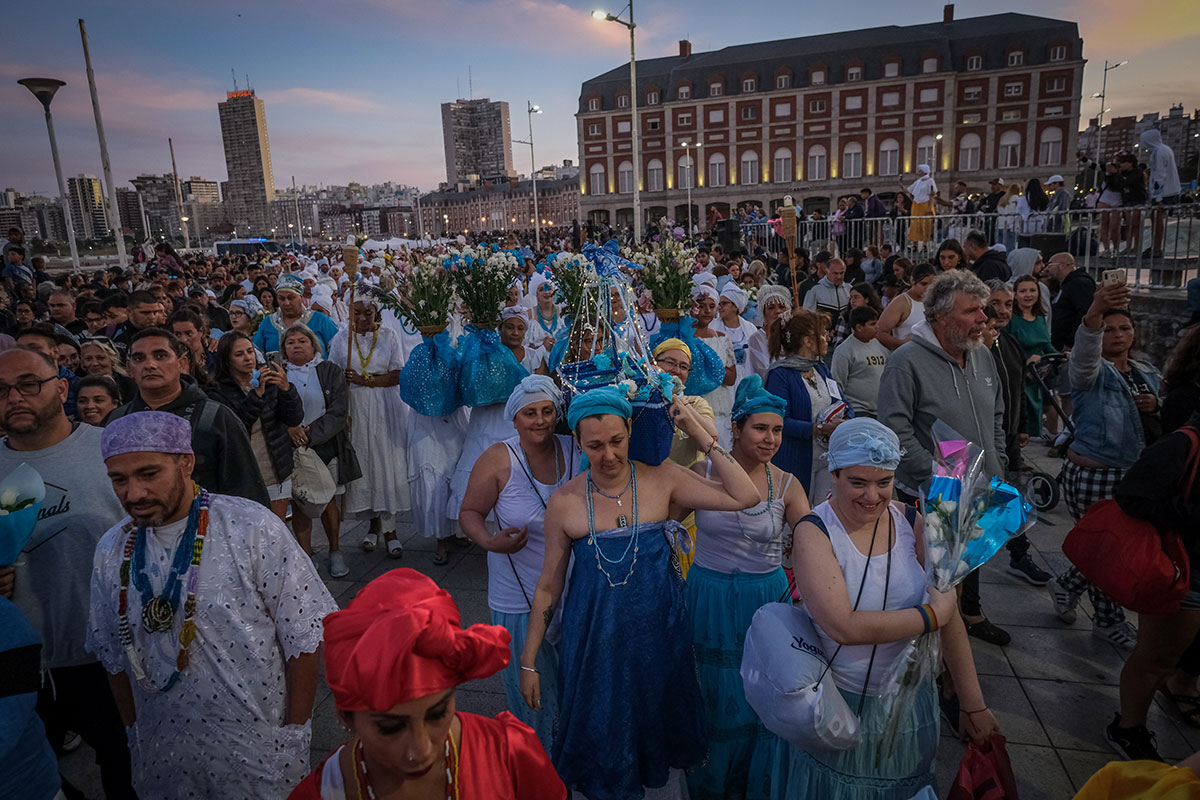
630 713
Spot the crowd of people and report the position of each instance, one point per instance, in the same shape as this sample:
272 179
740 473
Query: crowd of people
193 417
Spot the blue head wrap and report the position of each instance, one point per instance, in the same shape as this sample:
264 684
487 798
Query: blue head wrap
863 441
532 389
290 282
752 398
603 400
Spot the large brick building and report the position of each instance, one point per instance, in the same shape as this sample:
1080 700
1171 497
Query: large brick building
819 117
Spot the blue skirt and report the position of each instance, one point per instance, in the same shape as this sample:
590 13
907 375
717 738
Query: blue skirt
875 770
629 705
740 748
542 721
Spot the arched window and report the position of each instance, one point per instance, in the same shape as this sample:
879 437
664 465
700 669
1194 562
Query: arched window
817 163
852 158
685 178
783 165
749 168
889 157
1050 147
1010 149
926 150
968 153
596 179
654 175
716 170
625 178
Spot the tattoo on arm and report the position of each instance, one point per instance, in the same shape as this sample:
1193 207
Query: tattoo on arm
548 614
716 448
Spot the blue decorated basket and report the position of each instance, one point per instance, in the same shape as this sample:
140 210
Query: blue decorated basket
653 430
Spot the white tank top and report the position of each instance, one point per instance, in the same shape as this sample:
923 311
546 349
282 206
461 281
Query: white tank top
916 315
906 588
735 541
512 577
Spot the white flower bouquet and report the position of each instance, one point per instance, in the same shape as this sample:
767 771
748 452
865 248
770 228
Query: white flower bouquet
21 494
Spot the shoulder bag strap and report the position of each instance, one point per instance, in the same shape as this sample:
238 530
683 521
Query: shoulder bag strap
1193 458
512 565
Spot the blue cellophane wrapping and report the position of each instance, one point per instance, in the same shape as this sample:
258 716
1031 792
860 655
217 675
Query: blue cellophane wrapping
15 530
653 431
488 371
708 370
429 380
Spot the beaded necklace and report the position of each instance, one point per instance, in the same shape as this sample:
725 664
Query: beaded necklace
158 612
363 781
619 494
542 320
366 362
770 497
633 540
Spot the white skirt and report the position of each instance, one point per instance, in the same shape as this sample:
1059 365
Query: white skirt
435 445
377 431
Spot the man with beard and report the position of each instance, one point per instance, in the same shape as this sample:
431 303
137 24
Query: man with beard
207 615
913 394
57 563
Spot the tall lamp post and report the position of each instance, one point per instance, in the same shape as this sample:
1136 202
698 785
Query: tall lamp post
633 125
691 178
43 89
537 220
1103 93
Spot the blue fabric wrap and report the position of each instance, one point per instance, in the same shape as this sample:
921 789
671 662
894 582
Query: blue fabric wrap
602 400
752 398
429 380
652 431
627 676
607 259
559 351
488 371
708 370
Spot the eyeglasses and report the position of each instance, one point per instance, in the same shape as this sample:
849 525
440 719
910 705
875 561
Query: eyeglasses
671 363
28 387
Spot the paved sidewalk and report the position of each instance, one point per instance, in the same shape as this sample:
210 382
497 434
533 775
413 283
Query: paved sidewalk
1053 688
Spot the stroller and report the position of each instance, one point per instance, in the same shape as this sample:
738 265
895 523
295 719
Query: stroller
1042 489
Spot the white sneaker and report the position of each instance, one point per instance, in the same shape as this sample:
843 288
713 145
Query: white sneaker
1064 601
337 565
1122 634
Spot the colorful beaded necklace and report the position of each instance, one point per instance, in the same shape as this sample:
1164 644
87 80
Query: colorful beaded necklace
158 613
365 362
362 781
553 326
633 540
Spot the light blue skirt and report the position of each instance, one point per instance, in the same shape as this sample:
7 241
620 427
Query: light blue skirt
876 769
542 721
740 749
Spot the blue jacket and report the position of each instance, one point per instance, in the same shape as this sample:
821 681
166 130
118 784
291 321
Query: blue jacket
266 338
796 452
1108 427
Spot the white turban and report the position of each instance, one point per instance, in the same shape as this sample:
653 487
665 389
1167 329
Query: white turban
532 389
704 290
774 294
514 312
924 168
736 295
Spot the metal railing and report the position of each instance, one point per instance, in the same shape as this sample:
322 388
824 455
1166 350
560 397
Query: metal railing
1159 246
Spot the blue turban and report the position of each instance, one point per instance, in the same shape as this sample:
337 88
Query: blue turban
603 400
532 389
289 282
752 398
864 442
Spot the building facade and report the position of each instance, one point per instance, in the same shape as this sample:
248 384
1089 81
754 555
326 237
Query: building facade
477 140
158 208
86 198
821 117
506 205
1120 135
251 185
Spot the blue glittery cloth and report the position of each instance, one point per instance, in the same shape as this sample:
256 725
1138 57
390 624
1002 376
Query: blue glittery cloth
488 370
607 259
627 685
429 380
708 370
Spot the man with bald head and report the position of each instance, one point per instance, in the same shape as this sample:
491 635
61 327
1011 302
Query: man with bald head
52 585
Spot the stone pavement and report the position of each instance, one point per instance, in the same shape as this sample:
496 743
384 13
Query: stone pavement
1053 688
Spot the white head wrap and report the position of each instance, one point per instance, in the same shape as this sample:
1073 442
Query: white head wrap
736 295
514 312
704 290
774 294
532 389
923 168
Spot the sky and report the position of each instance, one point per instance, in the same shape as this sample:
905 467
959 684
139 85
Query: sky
353 88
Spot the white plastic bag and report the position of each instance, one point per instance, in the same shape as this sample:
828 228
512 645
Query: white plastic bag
312 483
782 666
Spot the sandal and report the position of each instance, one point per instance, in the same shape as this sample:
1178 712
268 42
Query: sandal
441 554
1187 705
394 548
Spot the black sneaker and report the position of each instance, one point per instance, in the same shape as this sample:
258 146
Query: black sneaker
1132 744
988 632
1028 569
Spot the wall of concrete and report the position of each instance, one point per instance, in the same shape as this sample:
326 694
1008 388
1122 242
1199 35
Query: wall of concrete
1159 316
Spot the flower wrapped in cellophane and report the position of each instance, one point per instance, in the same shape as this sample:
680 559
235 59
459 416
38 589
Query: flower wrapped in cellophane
968 515
21 494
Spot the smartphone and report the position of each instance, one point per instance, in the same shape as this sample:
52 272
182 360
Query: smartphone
274 359
1114 277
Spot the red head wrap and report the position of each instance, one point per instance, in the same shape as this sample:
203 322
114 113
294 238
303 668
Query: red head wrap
401 638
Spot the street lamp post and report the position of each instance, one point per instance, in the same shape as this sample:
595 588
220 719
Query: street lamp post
633 125
113 213
691 179
1100 119
537 220
43 89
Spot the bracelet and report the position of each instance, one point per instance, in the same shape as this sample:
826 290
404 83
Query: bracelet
978 711
711 445
530 669
925 620
932 616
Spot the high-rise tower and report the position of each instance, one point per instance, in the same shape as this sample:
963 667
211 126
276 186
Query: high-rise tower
248 161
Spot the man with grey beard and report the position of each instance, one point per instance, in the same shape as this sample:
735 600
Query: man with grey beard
945 373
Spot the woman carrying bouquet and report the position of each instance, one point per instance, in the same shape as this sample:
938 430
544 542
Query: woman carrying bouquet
859 567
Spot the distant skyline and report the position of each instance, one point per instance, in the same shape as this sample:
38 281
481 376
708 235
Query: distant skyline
353 90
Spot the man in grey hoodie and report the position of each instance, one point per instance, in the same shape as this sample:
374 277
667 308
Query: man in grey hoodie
1164 185
914 393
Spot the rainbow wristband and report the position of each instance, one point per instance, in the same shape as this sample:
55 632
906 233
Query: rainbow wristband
926 617
932 616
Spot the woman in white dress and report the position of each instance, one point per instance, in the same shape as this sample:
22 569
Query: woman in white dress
721 398
372 360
